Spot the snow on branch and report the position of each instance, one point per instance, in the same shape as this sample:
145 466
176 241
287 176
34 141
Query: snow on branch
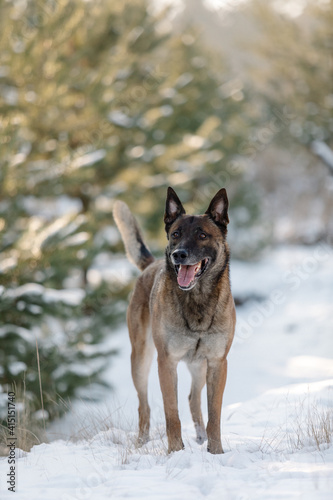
324 152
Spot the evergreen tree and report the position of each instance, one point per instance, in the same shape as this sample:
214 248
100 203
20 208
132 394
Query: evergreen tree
295 70
98 100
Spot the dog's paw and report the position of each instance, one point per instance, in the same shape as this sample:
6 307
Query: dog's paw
176 446
201 435
201 439
214 446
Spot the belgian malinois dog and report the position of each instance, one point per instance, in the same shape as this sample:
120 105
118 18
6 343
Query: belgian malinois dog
183 305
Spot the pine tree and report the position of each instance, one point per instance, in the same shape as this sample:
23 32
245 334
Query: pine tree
98 100
295 70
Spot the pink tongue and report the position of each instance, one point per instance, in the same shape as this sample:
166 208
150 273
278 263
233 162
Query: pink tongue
186 275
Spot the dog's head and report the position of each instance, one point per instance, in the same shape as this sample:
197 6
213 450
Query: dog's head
197 244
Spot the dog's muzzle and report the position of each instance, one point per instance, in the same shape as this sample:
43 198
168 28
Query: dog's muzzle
187 273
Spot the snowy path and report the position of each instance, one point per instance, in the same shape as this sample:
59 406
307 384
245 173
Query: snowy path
279 388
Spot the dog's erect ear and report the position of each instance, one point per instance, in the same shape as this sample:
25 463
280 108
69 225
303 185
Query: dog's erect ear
218 208
173 208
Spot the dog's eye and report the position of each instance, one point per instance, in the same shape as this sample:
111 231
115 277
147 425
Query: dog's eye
202 236
175 234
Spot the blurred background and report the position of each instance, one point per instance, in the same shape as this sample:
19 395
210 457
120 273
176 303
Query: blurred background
109 99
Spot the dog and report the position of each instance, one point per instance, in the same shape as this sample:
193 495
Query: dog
183 306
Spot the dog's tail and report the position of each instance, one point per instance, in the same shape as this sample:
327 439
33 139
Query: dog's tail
136 250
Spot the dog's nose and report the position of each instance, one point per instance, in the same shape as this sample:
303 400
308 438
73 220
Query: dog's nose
179 256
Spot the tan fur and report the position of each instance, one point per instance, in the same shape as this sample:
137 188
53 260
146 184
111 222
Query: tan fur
195 325
131 236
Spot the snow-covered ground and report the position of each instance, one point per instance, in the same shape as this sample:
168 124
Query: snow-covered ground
278 404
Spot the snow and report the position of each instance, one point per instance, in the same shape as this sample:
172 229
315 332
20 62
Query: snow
9 263
277 403
38 237
76 239
20 331
114 271
88 159
17 367
108 234
81 370
48 208
121 119
324 152
72 297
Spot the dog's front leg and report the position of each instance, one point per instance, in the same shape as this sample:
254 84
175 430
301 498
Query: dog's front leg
167 371
216 380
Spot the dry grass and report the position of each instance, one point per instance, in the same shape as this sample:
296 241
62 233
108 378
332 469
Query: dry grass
28 431
40 383
110 427
310 424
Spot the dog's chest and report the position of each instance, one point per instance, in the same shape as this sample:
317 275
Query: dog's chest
198 320
189 327
191 340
